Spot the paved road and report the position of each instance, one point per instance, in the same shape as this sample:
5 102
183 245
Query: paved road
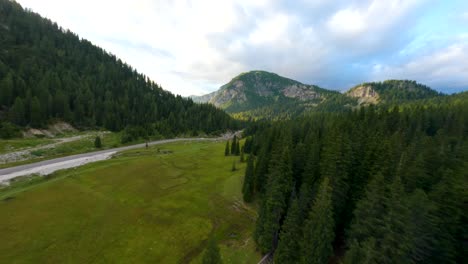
28 167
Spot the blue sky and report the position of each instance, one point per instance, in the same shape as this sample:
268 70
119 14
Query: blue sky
193 47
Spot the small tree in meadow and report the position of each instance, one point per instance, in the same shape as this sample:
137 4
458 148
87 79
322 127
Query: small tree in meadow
97 142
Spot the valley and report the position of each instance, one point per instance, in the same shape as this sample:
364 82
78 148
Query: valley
321 133
142 206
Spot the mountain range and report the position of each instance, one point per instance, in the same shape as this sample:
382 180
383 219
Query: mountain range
264 94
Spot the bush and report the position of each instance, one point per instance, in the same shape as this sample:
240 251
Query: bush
9 130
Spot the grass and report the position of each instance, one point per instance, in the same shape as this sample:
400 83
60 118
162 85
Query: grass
140 207
9 145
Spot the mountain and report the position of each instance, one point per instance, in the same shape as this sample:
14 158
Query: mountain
391 91
261 93
49 73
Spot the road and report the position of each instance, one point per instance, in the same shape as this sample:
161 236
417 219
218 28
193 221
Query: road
49 166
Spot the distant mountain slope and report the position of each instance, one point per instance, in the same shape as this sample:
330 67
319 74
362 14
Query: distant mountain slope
391 91
47 73
261 93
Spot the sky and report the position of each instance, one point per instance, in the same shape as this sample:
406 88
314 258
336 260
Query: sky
194 47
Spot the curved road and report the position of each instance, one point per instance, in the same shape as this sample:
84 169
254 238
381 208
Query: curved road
13 172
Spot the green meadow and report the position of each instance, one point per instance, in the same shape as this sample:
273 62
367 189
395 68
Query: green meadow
156 205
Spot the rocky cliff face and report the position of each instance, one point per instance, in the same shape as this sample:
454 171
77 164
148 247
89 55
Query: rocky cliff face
301 92
365 94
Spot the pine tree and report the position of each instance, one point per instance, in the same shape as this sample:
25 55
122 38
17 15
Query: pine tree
226 149
288 246
248 186
422 227
17 112
234 145
316 246
274 205
362 253
395 243
242 159
237 148
97 142
212 255
368 216
334 164
36 116
6 90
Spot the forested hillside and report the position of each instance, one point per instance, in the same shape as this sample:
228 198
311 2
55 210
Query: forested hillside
368 186
47 73
391 92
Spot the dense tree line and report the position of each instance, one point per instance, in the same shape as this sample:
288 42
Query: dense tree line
388 185
49 73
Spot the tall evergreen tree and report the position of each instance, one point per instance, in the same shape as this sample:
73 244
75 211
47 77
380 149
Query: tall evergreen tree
226 149
234 145
316 246
248 186
368 217
97 142
6 90
288 245
274 204
36 113
242 159
17 112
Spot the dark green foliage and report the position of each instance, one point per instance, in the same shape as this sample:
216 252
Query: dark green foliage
238 150
48 73
97 142
248 186
233 168
242 159
248 145
368 216
288 245
8 130
397 178
212 255
17 113
234 146
316 246
226 149
274 205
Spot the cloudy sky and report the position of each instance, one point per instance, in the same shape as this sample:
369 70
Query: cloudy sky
193 47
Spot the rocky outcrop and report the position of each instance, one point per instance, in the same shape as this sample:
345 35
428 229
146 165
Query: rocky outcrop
364 94
301 92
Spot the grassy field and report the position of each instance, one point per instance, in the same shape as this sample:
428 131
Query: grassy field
144 206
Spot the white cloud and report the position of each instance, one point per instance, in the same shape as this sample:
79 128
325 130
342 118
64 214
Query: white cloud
446 67
193 47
